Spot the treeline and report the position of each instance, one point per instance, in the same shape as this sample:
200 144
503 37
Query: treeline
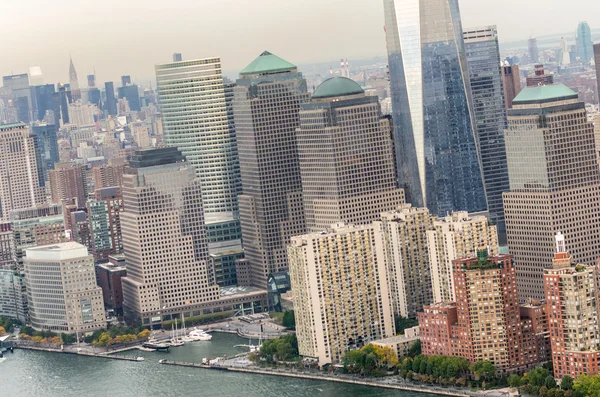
117 335
371 360
284 348
540 382
8 324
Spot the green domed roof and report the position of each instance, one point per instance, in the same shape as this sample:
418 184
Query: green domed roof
337 86
267 63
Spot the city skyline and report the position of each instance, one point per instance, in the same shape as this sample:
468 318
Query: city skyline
92 51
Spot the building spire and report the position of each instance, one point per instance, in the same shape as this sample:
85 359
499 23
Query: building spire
73 81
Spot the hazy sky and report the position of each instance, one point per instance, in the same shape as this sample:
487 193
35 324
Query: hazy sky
131 36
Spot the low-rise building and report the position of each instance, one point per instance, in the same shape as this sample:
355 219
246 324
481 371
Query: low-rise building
401 344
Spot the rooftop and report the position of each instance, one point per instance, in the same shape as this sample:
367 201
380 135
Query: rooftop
337 86
267 63
544 93
57 252
12 126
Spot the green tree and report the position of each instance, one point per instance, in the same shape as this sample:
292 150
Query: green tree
403 323
103 340
566 383
484 370
588 386
289 320
68 339
549 382
415 349
514 381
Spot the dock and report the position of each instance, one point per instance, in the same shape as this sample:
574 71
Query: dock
80 353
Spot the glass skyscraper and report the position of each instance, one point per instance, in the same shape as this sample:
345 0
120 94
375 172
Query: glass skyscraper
585 46
485 75
436 153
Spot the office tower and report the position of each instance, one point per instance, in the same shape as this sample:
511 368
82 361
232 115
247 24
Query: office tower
47 144
7 246
91 80
584 42
20 185
534 53
193 91
512 83
60 103
486 299
42 101
429 85
68 181
458 235
74 81
565 58
267 102
83 114
164 233
95 97
597 64
109 175
61 289
554 183
487 92
539 77
125 81
13 295
111 101
177 57
104 212
341 138
345 266
132 94
404 235
32 227
110 279
572 306
20 95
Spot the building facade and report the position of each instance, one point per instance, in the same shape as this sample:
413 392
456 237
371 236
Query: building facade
512 83
489 111
436 152
597 65
343 138
266 106
554 183
458 235
104 213
584 42
61 289
68 181
339 278
109 175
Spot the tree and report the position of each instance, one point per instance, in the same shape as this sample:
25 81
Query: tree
514 381
403 323
484 370
2 331
588 386
566 383
415 349
289 320
68 339
145 334
103 340
543 391
549 382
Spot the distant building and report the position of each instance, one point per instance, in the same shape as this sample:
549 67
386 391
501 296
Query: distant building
343 265
47 145
267 103
111 102
341 138
597 65
104 212
67 182
584 42
20 187
534 53
109 175
61 288
553 169
572 305
21 95
132 94
42 101
489 112
539 77
74 82
455 236
125 81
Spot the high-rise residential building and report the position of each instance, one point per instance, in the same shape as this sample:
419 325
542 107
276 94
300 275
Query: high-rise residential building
340 280
485 74
436 152
485 322
554 183
597 64
191 96
539 77
534 53
68 181
584 42
61 289
267 103
343 137
19 180
455 236
165 245
109 175
572 307
47 145
511 82
104 212
111 101
32 227
74 81
404 236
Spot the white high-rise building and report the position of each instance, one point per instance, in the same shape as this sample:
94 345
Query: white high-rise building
191 95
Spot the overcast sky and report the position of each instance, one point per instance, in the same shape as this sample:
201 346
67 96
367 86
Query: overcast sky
130 36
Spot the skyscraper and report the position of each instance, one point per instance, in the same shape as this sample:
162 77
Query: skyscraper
74 81
42 101
597 63
19 180
68 182
132 94
572 307
585 49
485 73
21 95
554 183
539 77
109 175
191 96
111 101
104 212
267 103
512 83
436 153
534 53
343 137
47 144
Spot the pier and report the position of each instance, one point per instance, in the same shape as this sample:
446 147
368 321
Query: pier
109 355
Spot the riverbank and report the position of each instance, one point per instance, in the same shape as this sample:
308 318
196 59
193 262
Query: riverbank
386 383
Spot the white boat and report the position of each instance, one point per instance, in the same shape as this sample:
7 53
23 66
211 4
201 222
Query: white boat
176 341
199 335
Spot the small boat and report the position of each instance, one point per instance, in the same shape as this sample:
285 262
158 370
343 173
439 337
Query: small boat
140 359
199 335
175 340
156 346
145 349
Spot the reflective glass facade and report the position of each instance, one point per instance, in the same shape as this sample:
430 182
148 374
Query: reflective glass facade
434 137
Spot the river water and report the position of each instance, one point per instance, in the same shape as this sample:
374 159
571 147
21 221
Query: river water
39 374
